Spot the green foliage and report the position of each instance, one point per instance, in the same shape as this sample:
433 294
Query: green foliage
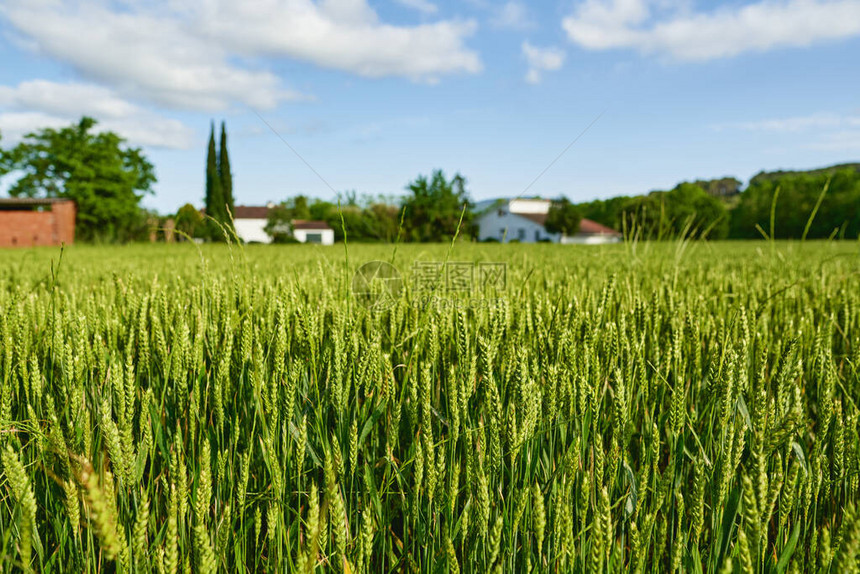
225 176
802 208
279 221
189 221
563 217
434 206
163 409
799 193
698 213
723 187
219 189
106 179
215 203
371 221
687 210
609 212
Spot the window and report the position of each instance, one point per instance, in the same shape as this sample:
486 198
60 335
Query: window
502 233
313 238
521 234
537 234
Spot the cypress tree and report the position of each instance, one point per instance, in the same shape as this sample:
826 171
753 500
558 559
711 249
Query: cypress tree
214 196
224 172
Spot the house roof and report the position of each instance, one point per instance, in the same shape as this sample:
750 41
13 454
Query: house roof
586 226
250 212
310 225
24 201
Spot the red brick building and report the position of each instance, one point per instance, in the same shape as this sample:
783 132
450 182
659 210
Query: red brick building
28 222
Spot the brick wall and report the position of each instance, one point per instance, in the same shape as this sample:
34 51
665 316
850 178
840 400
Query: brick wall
64 222
27 228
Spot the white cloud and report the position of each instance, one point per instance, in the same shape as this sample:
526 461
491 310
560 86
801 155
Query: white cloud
541 60
845 141
655 27
423 6
512 15
345 35
826 131
798 123
151 53
15 125
38 104
207 55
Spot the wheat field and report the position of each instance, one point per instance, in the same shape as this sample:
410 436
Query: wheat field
663 407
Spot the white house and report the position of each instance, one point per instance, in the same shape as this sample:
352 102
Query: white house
523 220
313 232
250 223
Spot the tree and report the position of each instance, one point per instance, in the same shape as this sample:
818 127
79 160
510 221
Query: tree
563 217
793 196
214 196
105 178
299 207
687 209
189 221
723 187
608 212
279 224
434 207
694 211
224 174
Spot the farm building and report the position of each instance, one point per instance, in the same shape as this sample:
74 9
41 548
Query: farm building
29 222
250 223
523 220
313 232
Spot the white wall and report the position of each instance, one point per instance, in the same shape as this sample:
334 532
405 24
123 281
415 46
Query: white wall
538 206
492 226
251 230
591 239
327 235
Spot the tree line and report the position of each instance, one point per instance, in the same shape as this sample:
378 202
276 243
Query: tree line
815 204
108 180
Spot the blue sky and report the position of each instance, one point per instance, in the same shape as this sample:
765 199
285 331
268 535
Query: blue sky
373 93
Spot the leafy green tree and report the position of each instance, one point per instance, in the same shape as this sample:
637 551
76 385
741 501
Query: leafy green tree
105 178
686 210
696 213
383 222
224 174
279 225
723 187
434 207
299 207
645 217
214 196
608 212
367 221
345 218
794 196
563 217
322 211
189 221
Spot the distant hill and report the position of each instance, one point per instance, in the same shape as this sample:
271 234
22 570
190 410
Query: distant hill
815 203
775 175
745 213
